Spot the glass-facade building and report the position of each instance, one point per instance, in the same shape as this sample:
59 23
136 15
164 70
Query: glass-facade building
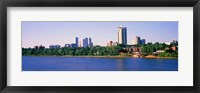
122 35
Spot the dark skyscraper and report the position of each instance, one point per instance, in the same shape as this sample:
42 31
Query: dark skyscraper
85 42
143 41
90 44
76 41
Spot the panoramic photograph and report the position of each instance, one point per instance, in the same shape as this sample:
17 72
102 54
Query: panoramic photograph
99 45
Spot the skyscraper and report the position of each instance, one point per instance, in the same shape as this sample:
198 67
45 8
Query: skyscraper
122 35
80 44
143 41
137 40
90 44
85 42
76 41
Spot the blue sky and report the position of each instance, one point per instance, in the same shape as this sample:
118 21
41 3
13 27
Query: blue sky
61 33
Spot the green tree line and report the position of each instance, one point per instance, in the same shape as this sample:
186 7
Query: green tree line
88 51
147 49
151 48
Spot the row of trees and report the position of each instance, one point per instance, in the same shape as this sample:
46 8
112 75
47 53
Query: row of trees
146 49
151 48
88 51
168 54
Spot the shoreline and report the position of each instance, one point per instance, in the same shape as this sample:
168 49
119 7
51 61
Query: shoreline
147 57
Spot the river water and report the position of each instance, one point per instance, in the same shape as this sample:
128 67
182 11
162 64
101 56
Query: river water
41 63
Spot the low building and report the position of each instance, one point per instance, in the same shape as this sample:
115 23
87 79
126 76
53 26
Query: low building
159 51
110 43
167 48
36 47
137 49
174 42
67 45
54 46
39 47
134 49
115 43
174 48
73 45
167 43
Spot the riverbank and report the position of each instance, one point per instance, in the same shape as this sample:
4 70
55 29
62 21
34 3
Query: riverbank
118 56
151 56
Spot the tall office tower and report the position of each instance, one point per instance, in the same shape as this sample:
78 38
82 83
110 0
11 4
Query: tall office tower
137 40
83 45
143 41
122 35
80 44
76 41
90 42
85 42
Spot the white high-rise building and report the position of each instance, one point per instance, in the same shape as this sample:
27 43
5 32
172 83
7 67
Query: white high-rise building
122 35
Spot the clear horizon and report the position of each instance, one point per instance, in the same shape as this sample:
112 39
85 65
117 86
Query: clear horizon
61 33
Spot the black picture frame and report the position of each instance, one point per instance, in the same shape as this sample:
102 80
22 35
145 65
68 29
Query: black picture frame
98 3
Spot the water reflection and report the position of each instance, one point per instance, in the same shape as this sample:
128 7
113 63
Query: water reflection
120 64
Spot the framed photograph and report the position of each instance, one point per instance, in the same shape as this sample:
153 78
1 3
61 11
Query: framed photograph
100 46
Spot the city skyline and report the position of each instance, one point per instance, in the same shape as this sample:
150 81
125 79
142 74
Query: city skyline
61 33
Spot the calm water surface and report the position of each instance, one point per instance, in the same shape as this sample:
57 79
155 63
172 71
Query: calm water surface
35 63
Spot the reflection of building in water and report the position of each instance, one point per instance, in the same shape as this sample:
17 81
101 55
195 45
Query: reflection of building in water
121 65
